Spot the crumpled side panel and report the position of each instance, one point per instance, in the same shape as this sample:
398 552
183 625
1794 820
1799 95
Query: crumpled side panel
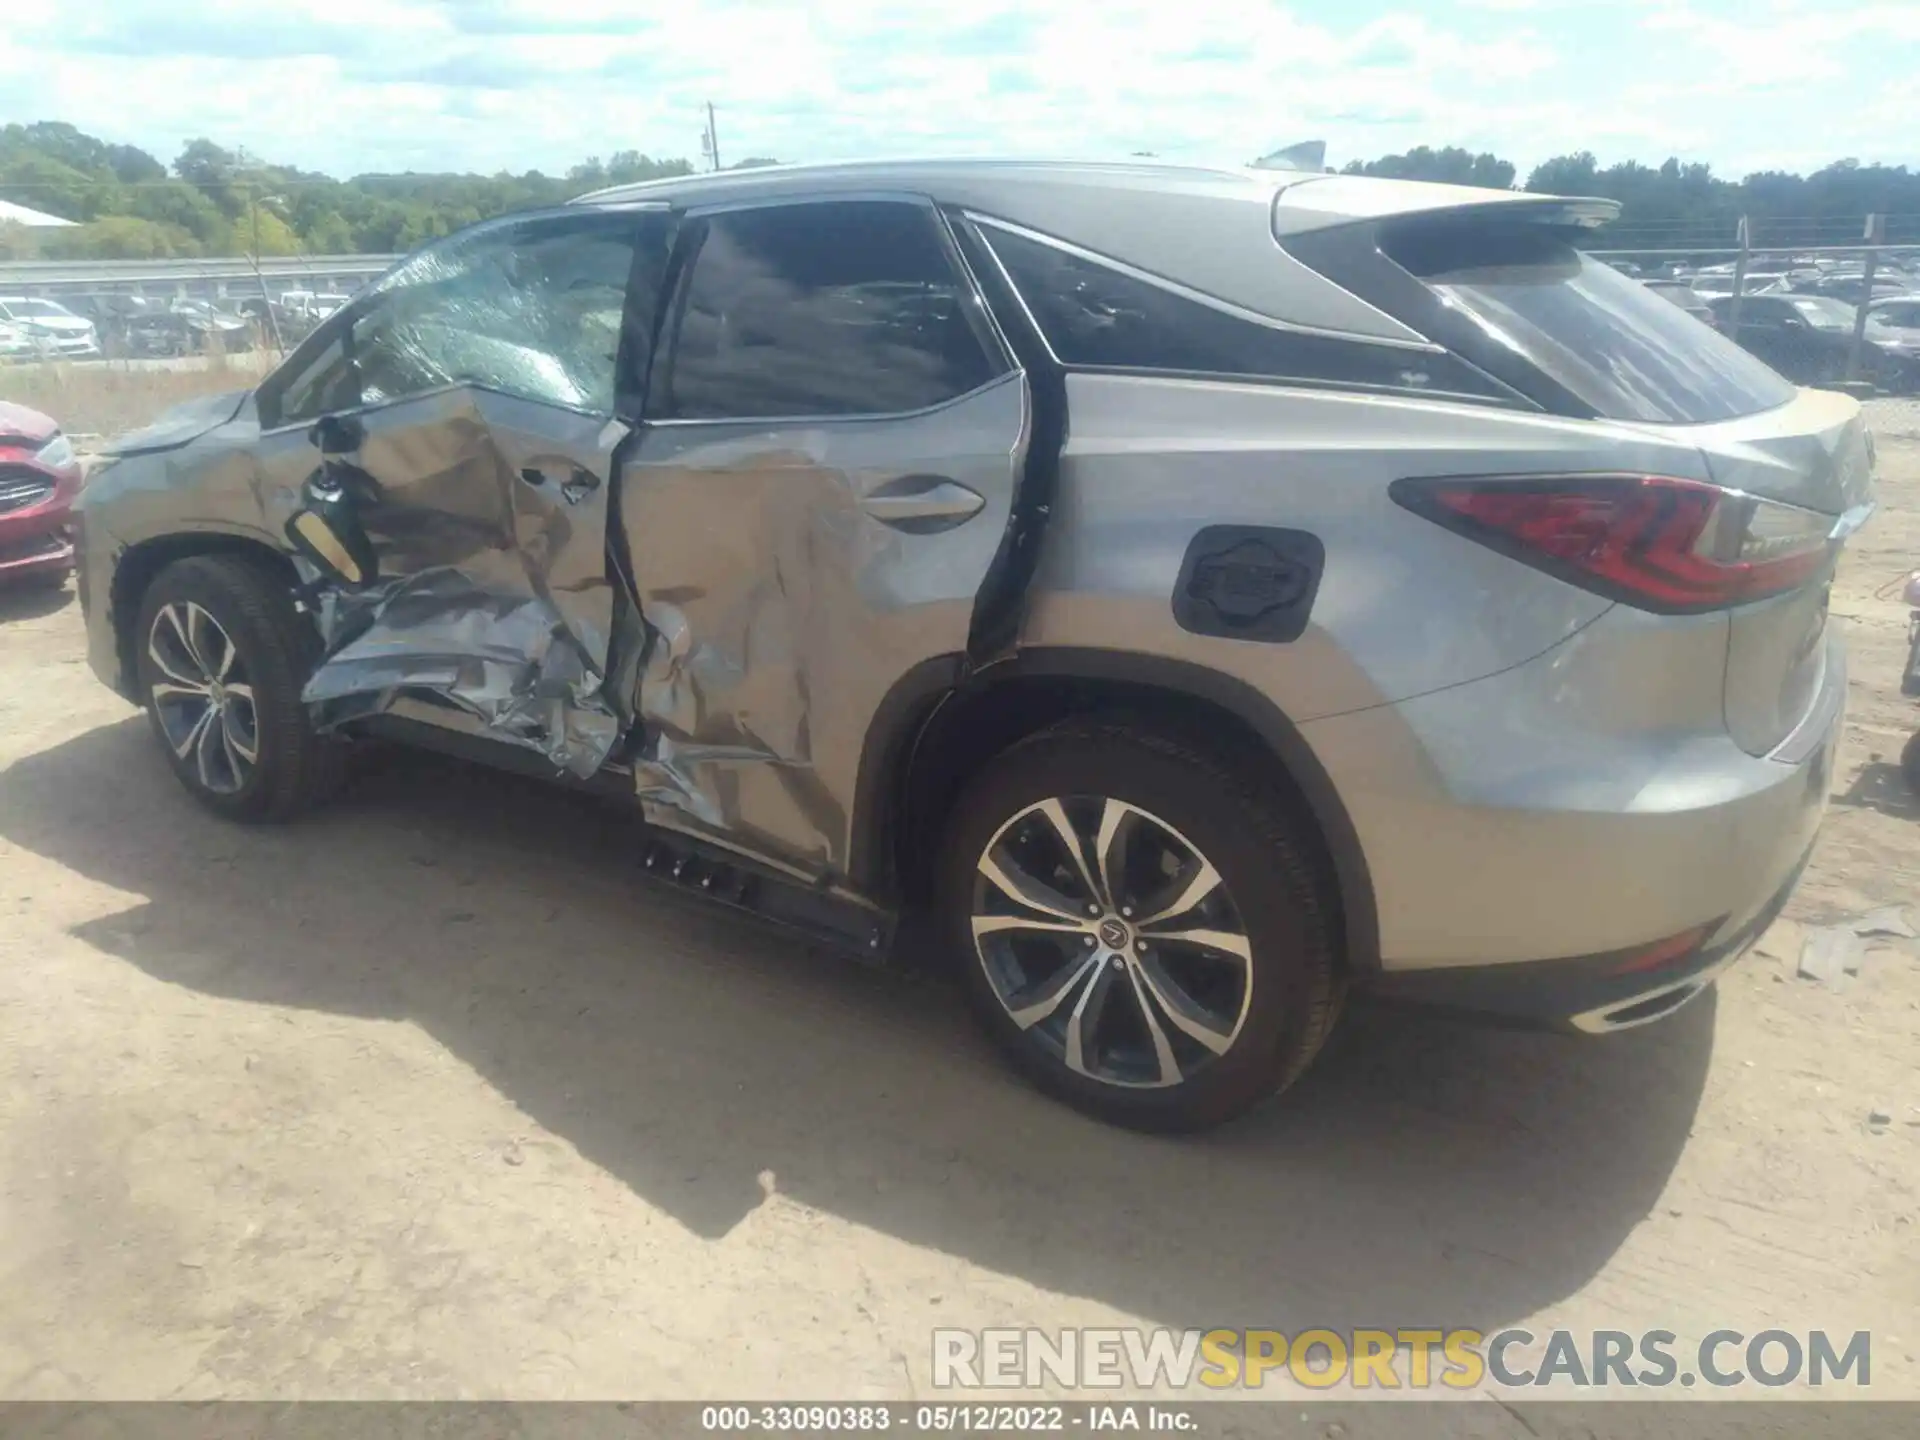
786 604
511 663
486 517
726 691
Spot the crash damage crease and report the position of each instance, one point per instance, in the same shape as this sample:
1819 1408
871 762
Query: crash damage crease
492 514
737 617
697 742
508 661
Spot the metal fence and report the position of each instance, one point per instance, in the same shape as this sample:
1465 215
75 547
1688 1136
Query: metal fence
1776 254
203 278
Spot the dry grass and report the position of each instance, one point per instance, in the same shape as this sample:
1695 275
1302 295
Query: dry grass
105 397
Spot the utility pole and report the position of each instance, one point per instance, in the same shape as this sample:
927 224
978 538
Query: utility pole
1876 236
259 275
710 142
1744 237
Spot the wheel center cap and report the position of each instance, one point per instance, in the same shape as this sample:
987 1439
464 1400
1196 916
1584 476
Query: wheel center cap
1114 933
218 692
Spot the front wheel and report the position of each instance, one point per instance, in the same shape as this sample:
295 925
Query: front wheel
1149 935
221 657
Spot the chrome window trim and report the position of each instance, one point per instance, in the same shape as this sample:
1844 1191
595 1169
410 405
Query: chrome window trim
811 197
1185 292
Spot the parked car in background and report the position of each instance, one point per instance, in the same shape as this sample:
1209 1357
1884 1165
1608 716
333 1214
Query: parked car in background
1687 298
1805 337
1851 289
16 343
1896 312
39 476
187 327
1714 286
56 332
110 312
1381 595
299 311
1893 324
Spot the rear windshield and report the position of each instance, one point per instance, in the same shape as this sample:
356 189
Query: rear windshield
1602 335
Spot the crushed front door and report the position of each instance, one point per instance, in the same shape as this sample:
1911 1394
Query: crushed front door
834 437
454 508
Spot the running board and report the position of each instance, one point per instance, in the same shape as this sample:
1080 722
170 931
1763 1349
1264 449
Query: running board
718 875
681 862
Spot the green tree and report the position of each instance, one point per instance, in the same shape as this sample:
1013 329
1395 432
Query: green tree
17 242
119 237
1449 166
1566 175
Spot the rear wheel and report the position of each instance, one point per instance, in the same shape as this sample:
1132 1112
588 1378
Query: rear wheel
221 657
1910 764
1148 935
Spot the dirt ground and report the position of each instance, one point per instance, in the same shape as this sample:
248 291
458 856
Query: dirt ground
429 1096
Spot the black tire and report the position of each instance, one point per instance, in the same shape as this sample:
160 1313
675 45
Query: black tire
1276 882
1910 763
275 650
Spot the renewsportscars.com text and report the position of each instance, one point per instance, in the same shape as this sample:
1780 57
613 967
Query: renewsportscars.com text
1412 1359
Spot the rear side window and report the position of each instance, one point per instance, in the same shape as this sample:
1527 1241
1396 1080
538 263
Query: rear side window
831 308
1604 337
1096 316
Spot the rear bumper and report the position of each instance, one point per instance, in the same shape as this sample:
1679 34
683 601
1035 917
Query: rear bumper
1542 852
1593 994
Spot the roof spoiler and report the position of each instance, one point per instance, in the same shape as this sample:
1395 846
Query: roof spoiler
1332 200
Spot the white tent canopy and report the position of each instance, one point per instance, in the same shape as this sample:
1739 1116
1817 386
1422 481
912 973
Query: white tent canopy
12 214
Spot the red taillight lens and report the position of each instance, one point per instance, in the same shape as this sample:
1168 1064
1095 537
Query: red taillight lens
1673 546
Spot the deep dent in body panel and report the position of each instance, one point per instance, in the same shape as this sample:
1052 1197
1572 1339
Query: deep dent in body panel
497 613
781 611
502 607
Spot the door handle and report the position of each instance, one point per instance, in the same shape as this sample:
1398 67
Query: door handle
578 484
923 502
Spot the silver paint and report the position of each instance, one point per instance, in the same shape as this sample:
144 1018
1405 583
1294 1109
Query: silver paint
787 591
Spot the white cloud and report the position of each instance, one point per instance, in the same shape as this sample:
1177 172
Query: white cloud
349 85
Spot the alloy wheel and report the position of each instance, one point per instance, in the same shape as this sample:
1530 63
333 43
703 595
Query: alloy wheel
1112 940
204 700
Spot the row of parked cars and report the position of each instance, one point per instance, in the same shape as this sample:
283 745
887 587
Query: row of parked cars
1801 320
111 324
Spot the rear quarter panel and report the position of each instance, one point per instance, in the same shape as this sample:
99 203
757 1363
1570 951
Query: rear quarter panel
1404 607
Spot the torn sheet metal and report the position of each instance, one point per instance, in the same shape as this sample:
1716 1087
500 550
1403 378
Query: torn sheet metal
510 662
480 522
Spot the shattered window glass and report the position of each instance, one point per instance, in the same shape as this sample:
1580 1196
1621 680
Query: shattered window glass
533 311
847 308
530 308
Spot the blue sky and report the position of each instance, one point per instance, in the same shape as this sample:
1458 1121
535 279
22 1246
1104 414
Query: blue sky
352 85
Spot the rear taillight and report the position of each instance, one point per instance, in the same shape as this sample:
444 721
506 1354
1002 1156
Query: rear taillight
1673 546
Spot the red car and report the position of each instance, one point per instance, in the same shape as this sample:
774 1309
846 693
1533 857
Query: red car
39 476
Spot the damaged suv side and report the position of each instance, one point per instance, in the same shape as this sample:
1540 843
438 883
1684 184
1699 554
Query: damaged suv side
1029 544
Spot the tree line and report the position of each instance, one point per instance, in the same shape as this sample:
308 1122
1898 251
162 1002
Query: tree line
215 201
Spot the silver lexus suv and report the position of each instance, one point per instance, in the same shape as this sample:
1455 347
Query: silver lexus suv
1198 593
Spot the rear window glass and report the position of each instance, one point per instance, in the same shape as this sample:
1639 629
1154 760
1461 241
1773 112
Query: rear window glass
1605 337
1096 316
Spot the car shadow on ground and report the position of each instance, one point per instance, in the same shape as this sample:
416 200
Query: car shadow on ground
33 600
1422 1169
1881 785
